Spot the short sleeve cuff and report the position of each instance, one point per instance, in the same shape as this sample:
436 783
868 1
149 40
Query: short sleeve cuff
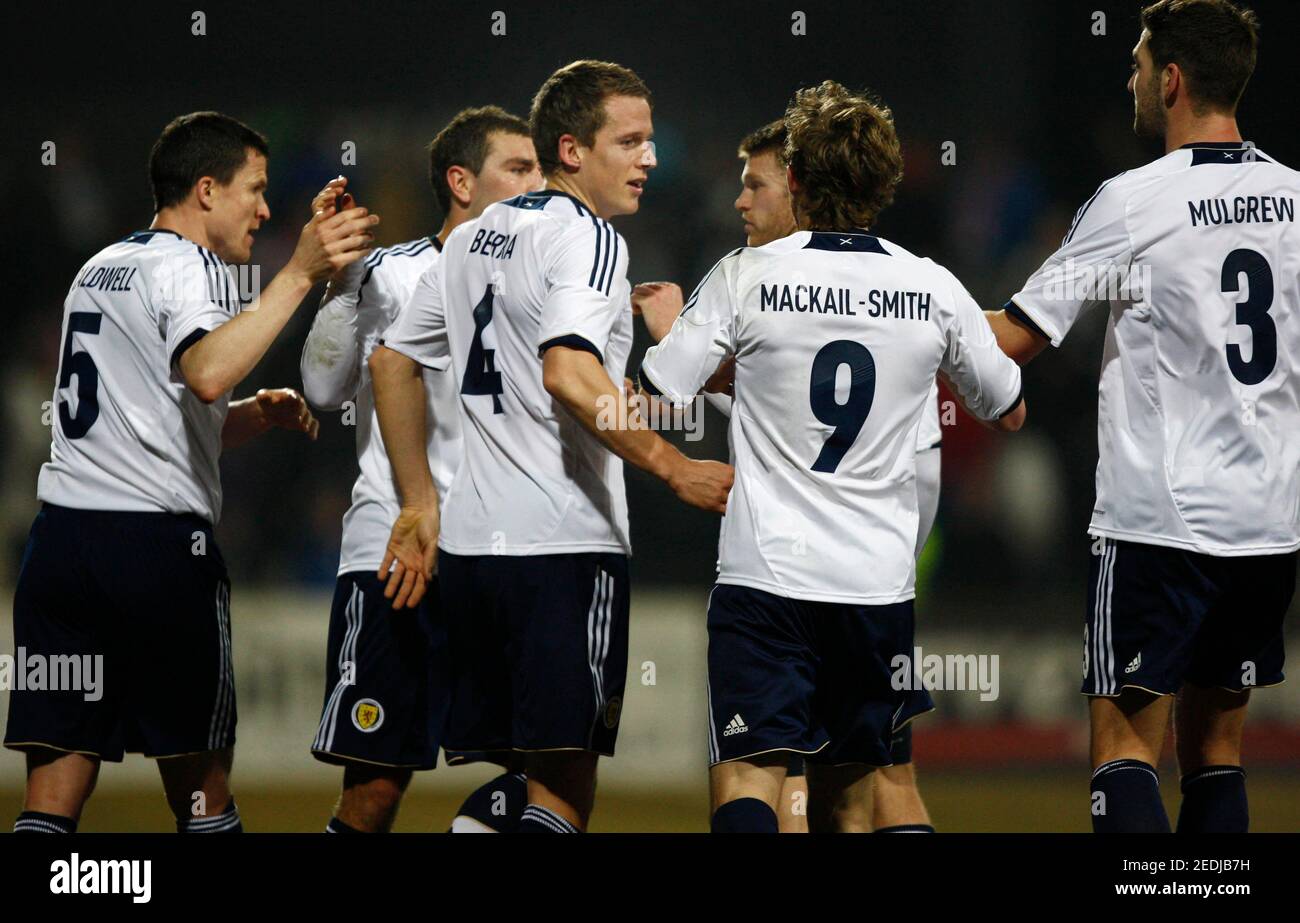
572 341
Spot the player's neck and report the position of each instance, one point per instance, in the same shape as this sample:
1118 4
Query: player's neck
561 183
188 226
455 218
1214 127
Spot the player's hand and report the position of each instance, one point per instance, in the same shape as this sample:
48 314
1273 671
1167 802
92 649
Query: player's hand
409 558
658 303
723 381
287 409
334 196
333 240
703 483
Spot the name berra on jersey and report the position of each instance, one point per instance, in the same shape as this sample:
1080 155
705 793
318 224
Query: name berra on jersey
493 244
816 299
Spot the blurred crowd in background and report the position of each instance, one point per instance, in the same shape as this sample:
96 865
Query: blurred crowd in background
1025 98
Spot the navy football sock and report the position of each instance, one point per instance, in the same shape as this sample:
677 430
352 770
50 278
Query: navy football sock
226 822
1214 801
744 815
906 828
537 819
497 804
1126 799
337 826
36 822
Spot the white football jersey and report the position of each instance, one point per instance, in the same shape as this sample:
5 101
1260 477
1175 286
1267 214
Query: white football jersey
128 434
1196 257
530 272
389 277
837 339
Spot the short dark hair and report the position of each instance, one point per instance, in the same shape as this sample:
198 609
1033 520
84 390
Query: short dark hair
771 137
571 102
844 154
197 145
1213 42
464 143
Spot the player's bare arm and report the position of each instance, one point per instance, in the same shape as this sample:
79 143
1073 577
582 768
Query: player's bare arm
223 358
577 380
400 405
658 304
1015 338
270 408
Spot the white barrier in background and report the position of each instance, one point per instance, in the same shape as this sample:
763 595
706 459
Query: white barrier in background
279 654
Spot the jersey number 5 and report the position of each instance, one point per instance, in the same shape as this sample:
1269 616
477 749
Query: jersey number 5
847 418
481 375
1252 313
76 425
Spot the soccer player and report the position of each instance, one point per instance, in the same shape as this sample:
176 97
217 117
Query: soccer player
765 207
1197 518
387 677
529 307
837 337
121 567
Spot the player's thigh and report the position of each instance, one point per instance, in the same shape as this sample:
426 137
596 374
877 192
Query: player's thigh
840 798
760 776
761 676
1208 725
62 633
1129 725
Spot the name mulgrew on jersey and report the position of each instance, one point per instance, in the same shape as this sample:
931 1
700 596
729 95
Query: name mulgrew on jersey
1261 209
817 299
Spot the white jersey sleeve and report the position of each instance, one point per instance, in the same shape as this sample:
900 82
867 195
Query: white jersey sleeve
580 267
986 380
193 294
331 356
420 331
1095 252
701 337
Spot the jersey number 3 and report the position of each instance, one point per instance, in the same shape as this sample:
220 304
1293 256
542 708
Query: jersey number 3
846 418
76 425
481 375
1252 313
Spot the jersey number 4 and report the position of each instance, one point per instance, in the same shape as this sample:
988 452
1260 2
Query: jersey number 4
76 425
481 375
846 418
1252 313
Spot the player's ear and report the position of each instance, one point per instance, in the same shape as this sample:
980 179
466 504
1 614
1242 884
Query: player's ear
461 183
1171 83
205 191
570 150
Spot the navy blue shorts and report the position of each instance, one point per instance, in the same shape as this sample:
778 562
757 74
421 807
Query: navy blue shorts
387 679
1159 617
810 677
141 602
538 650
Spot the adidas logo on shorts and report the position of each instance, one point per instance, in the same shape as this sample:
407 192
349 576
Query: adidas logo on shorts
1134 664
736 725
